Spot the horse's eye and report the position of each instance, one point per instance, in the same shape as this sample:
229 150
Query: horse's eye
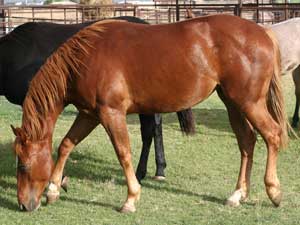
22 168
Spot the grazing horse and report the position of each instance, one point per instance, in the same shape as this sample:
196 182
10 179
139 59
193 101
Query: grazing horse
114 68
288 37
25 49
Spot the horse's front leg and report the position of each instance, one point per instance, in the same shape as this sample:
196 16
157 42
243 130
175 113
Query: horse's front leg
82 127
114 121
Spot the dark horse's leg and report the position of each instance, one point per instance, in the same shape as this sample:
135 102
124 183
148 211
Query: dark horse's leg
151 127
147 127
159 149
246 138
296 78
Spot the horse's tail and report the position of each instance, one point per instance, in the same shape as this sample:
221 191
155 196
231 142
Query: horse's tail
186 121
275 96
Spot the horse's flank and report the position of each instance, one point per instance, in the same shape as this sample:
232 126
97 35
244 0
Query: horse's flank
287 34
50 83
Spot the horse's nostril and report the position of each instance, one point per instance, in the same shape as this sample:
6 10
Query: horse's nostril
32 205
22 207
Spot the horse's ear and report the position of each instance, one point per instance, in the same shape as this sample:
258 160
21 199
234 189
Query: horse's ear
15 130
19 132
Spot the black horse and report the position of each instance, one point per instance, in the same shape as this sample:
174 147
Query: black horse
25 49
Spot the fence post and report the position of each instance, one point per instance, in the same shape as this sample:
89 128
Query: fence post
76 8
2 16
286 11
9 23
65 15
134 12
177 11
257 11
33 20
238 8
82 14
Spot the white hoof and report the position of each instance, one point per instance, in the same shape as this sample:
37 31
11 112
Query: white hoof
159 178
235 199
52 193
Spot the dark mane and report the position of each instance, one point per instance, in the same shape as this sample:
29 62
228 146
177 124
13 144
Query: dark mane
50 83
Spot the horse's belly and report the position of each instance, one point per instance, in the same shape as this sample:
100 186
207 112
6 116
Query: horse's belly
174 96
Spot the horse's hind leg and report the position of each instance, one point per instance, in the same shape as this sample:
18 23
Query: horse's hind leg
246 140
259 116
147 132
296 78
159 149
81 128
114 122
151 127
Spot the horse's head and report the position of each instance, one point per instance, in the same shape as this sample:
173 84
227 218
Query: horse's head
34 168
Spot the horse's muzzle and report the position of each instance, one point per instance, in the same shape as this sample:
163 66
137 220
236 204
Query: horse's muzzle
32 205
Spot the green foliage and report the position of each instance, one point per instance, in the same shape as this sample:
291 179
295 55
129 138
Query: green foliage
201 173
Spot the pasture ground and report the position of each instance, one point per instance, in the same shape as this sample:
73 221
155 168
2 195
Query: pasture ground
201 173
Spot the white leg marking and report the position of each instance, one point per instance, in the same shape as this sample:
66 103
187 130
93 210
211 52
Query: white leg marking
235 198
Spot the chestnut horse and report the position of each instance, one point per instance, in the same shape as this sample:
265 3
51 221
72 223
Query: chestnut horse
24 50
113 68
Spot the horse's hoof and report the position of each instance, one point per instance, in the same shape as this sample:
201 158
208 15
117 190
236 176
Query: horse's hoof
277 199
159 178
231 203
52 193
128 208
235 199
65 183
51 198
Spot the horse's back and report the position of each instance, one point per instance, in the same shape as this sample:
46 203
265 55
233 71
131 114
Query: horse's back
175 62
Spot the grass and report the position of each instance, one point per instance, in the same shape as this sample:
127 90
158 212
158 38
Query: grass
201 173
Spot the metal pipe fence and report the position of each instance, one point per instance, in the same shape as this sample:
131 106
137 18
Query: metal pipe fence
12 16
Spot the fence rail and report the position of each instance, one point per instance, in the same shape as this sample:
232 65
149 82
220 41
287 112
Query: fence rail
12 16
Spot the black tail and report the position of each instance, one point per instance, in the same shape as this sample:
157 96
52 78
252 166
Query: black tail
186 121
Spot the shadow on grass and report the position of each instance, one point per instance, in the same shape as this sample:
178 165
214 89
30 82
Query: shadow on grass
7 166
7 204
91 168
7 160
7 170
6 185
106 171
86 202
213 199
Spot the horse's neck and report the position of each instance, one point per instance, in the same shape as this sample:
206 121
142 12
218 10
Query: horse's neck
46 124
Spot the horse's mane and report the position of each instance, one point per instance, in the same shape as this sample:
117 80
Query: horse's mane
49 85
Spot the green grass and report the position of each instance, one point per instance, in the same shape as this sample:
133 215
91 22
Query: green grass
201 173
